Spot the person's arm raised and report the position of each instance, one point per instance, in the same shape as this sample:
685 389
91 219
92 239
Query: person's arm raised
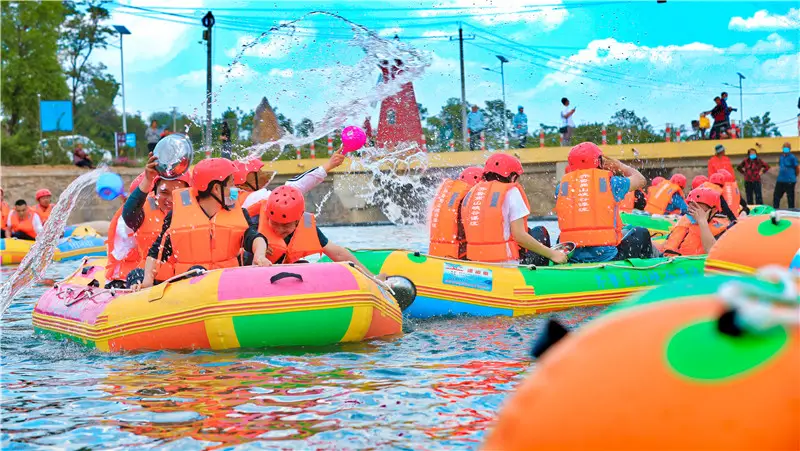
637 179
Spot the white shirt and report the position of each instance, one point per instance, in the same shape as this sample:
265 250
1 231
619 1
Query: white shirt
566 121
124 241
513 208
305 182
37 222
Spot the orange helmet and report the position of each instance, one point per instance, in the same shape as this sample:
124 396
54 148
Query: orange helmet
704 196
585 155
699 180
286 204
717 179
245 167
211 170
657 181
471 175
503 165
42 193
186 178
728 176
136 182
678 179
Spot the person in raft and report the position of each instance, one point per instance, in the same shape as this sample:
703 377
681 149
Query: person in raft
205 228
666 196
587 206
293 233
43 207
696 232
23 223
252 184
5 210
444 218
495 218
731 194
716 183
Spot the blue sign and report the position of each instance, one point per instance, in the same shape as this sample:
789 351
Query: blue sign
55 115
130 140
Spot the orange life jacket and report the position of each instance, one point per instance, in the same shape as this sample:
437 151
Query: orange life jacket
730 192
587 213
199 240
23 225
119 269
304 242
684 239
446 231
660 196
627 203
44 213
4 210
484 224
146 235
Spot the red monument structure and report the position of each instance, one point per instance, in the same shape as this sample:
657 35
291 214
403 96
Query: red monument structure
399 120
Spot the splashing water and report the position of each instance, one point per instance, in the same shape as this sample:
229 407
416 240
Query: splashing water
40 256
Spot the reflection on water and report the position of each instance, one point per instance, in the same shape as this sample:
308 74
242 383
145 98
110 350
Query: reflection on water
436 387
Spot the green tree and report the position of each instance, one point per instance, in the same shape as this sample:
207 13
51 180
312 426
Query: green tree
95 115
305 127
29 67
494 115
760 127
449 119
83 32
634 129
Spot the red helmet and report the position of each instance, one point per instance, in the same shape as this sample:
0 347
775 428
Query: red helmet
43 192
585 155
245 167
286 204
471 175
717 179
503 165
678 179
210 170
699 180
657 181
704 196
136 182
728 176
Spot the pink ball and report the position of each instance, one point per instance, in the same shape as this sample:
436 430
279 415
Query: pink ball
353 138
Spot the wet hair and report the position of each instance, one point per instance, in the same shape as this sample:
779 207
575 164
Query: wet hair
20 203
493 177
564 100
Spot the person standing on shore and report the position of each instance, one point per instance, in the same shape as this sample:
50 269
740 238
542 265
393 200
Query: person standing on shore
567 124
788 169
152 135
225 137
753 167
475 126
719 161
521 126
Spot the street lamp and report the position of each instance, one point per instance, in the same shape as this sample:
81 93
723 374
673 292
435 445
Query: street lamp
122 31
503 60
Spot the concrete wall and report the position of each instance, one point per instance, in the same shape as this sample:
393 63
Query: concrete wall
344 190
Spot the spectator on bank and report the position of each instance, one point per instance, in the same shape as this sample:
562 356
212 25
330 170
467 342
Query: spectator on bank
225 137
724 97
720 115
719 161
80 158
753 167
152 136
704 125
164 133
475 126
521 126
788 170
567 124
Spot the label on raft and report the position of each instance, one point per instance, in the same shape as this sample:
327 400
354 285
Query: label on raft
467 276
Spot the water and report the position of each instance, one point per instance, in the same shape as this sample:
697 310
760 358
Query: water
437 387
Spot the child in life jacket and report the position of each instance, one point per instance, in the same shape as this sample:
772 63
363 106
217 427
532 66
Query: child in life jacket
23 223
206 228
43 207
666 196
495 217
696 232
587 206
293 234
444 221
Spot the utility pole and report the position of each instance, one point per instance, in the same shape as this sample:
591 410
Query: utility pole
174 122
465 137
208 22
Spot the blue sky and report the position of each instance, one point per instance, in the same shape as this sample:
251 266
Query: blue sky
665 61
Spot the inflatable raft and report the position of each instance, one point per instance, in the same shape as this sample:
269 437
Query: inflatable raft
446 287
659 226
80 243
243 307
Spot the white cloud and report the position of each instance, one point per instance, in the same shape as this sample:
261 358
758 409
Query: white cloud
221 74
146 49
550 14
390 32
276 45
282 73
763 20
785 67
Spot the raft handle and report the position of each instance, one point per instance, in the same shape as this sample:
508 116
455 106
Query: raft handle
285 275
